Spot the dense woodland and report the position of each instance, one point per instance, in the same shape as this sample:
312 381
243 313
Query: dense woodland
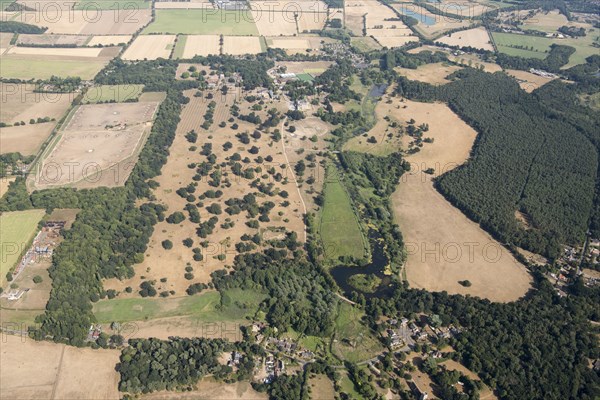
525 159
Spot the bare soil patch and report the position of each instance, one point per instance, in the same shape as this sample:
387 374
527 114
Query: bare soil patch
26 140
443 245
44 370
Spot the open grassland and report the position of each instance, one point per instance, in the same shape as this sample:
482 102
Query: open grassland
112 93
430 73
101 141
150 47
321 387
471 60
365 44
436 234
210 389
19 102
476 37
208 307
44 370
355 341
202 22
187 5
18 228
339 227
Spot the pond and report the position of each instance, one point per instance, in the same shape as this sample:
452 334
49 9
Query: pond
342 273
422 18
377 91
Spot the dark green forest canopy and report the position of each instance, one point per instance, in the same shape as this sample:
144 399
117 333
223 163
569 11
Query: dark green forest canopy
525 159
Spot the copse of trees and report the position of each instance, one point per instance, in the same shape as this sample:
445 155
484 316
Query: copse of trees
149 365
20 27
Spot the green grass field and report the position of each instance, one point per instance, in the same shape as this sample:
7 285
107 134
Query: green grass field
339 228
116 93
13 67
202 22
179 46
537 46
355 341
128 5
234 305
17 228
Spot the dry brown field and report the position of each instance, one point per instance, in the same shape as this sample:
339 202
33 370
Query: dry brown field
5 183
44 370
202 45
77 40
91 22
299 44
19 102
26 139
321 388
429 73
443 245
150 47
87 52
158 262
395 41
209 389
5 39
477 38
109 40
98 146
238 45
194 4
528 81
471 60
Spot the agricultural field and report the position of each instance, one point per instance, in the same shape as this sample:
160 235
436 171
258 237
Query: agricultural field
221 243
112 93
468 59
289 18
18 228
239 45
44 370
19 102
101 141
197 45
52 40
90 22
150 47
43 63
375 19
539 46
187 5
27 139
112 5
109 40
477 38
213 22
5 183
339 226
428 221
